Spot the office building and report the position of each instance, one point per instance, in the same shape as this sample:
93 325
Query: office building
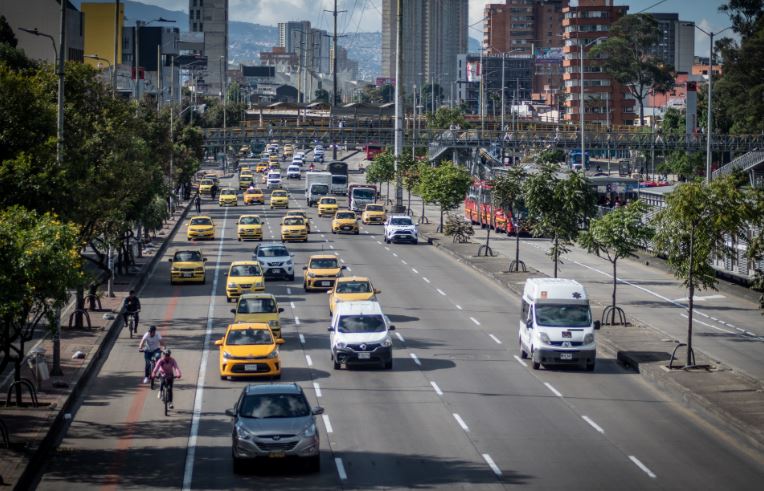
605 100
210 17
518 81
44 15
677 44
434 33
311 46
158 48
98 33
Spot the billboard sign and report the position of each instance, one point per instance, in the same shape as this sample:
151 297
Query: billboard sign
548 55
473 71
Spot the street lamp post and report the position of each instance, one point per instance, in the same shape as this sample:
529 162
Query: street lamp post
112 71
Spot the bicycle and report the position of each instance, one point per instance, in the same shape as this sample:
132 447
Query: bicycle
165 389
132 326
152 364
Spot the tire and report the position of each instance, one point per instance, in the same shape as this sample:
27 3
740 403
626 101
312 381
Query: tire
337 365
357 232
590 366
389 365
238 465
523 353
291 277
276 377
313 464
305 287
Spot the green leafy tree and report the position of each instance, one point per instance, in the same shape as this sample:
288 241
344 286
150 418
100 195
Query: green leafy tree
557 207
381 169
684 165
41 261
507 192
617 235
673 122
446 117
696 224
626 56
756 243
551 156
444 185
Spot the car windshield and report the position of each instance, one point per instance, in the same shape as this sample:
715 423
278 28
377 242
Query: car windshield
246 270
401 221
245 177
246 337
201 221
354 287
264 406
187 256
249 221
374 208
346 215
274 176
294 168
319 189
300 214
272 252
328 263
556 315
256 306
361 323
294 221
363 193
339 179
228 192
279 194
207 182
328 201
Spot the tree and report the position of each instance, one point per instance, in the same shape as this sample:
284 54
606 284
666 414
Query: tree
618 234
697 223
756 243
557 207
745 15
551 156
626 56
40 258
381 169
684 165
446 117
673 123
444 185
507 192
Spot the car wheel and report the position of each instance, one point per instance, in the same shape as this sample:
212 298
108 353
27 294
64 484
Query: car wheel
276 377
238 465
337 365
239 239
204 280
389 365
590 366
313 464
291 277
357 232
523 353
305 287
333 231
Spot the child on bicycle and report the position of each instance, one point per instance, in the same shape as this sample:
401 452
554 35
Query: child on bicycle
169 369
151 343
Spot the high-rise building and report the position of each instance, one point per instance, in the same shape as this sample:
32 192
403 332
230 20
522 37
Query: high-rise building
44 15
434 33
677 44
99 31
311 46
522 25
210 17
605 100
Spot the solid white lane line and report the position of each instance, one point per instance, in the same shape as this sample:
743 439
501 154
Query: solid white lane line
309 360
291 304
477 322
415 358
492 464
297 320
317 388
642 466
459 307
188 471
520 360
340 468
425 279
498 341
302 339
436 388
327 423
289 291
554 391
400 337
461 422
414 270
593 424
441 292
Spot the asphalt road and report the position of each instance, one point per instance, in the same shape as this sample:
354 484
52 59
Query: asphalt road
459 410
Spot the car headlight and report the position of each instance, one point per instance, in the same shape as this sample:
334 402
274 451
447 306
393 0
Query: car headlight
258 283
231 285
226 355
341 345
242 433
589 338
544 338
310 430
311 275
387 342
273 354
273 323
200 270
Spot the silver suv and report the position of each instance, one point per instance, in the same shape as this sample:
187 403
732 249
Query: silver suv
274 421
276 261
401 228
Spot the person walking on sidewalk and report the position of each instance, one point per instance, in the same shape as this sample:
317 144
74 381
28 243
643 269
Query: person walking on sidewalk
151 344
169 369
198 203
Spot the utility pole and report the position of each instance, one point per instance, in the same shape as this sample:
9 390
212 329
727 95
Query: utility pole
116 49
334 76
503 58
224 98
159 75
709 117
398 107
136 33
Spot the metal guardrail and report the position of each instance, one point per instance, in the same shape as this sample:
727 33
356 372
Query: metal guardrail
745 163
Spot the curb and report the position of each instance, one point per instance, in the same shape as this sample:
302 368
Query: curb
29 477
651 372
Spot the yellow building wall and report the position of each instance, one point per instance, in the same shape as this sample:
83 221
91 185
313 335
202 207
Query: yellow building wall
99 32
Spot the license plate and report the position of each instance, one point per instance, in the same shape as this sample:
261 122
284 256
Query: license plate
364 356
250 368
277 455
276 270
566 356
325 283
188 275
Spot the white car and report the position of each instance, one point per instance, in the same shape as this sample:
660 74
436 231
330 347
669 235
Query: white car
299 156
293 172
276 260
360 333
401 228
273 180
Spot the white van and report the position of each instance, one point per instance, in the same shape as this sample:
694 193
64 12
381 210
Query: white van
556 326
360 333
273 180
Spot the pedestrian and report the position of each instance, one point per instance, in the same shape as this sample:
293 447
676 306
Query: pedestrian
198 203
214 191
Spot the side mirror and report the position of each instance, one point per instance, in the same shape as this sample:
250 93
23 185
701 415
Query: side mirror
529 323
330 329
317 410
219 342
391 327
597 325
280 341
329 292
233 311
377 291
343 267
170 260
304 268
230 412
204 259
281 309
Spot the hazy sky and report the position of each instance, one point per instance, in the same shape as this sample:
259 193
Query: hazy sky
365 15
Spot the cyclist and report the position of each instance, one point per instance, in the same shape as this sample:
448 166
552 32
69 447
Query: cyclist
151 343
131 306
168 367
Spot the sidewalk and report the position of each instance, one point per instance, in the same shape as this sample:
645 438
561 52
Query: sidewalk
725 397
34 431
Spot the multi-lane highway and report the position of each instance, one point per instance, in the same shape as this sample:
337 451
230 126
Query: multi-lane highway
458 410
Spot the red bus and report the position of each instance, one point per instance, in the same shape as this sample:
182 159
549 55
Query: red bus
372 149
478 209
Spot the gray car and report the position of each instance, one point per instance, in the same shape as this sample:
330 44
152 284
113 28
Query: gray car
274 422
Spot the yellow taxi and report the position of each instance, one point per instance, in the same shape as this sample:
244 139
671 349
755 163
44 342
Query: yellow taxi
288 150
273 158
254 195
345 222
214 177
205 186
261 167
245 179
293 229
249 350
244 169
279 199
327 206
200 227
321 272
300 213
373 214
249 227
349 289
187 266
244 277
228 197
259 307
